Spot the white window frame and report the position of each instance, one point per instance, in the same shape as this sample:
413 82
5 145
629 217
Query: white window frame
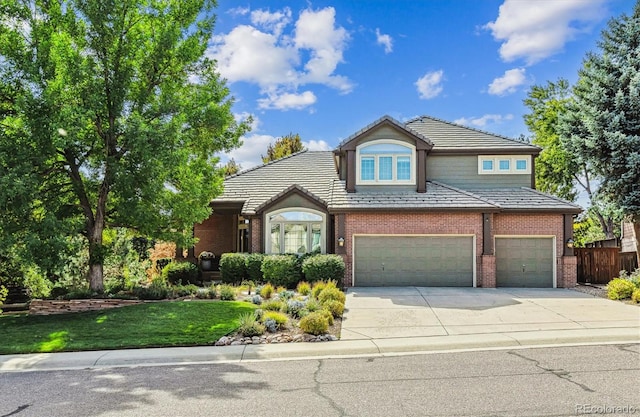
513 164
394 156
268 223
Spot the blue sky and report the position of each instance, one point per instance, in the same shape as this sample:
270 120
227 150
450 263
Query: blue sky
326 69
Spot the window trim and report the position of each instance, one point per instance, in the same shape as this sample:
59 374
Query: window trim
268 223
394 164
513 164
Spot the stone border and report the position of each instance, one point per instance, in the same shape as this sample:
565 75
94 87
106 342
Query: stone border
47 307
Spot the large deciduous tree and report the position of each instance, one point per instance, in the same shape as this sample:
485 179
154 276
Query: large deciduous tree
111 115
284 146
602 123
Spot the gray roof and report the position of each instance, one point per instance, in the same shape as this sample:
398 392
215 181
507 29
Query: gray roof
394 122
314 174
449 136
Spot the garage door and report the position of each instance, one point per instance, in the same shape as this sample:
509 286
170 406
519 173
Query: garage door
424 261
524 262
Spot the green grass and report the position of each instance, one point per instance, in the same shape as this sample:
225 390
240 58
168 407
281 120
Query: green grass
171 323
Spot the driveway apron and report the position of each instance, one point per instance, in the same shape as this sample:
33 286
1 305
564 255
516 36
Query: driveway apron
403 312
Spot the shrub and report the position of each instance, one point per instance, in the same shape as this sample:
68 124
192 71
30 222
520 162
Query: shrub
258 312
181 272
286 295
157 290
249 326
634 277
318 287
281 270
620 288
303 288
314 323
324 267
279 318
162 263
206 293
3 295
253 265
327 315
185 290
227 293
271 325
266 291
335 307
273 305
248 285
256 299
280 289
635 296
313 305
294 307
232 268
330 293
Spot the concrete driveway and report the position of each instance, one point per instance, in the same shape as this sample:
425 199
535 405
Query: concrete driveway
416 312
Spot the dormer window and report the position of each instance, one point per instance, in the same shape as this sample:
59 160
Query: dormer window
504 164
386 162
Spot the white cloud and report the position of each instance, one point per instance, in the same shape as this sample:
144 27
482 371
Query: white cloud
317 145
483 121
535 30
280 57
250 153
239 11
384 40
429 85
286 101
508 83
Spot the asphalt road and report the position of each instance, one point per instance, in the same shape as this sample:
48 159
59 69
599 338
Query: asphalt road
561 381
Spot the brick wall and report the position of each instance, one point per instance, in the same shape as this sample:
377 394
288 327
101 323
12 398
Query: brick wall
216 234
410 223
256 235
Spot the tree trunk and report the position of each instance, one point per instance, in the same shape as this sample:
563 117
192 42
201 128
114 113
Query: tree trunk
96 258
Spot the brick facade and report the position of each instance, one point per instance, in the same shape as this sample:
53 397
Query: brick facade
216 234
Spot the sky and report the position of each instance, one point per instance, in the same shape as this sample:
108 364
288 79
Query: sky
326 69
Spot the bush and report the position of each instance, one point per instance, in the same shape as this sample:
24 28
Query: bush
331 293
294 307
181 273
327 314
634 277
635 296
3 296
256 299
253 265
281 270
286 294
162 263
271 325
303 288
227 293
266 291
258 312
314 323
335 307
318 287
273 305
249 325
232 268
184 290
324 267
620 288
157 290
279 318
313 305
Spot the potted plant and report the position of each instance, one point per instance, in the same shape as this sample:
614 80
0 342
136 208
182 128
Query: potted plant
206 260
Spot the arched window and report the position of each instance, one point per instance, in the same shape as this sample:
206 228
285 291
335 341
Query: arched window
295 230
386 162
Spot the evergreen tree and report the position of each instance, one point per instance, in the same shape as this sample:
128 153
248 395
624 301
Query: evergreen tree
284 146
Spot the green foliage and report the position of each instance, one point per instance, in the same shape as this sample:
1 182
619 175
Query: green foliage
317 288
303 288
249 326
232 267
123 267
104 124
284 146
335 307
620 288
634 277
36 284
586 231
253 263
327 314
600 126
227 293
273 305
314 323
183 290
181 272
231 167
157 290
280 318
3 295
635 296
281 270
331 293
267 291
312 305
323 267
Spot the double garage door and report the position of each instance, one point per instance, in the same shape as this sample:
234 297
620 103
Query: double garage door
422 261
448 261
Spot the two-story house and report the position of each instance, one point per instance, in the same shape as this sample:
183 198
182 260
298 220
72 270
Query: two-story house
422 203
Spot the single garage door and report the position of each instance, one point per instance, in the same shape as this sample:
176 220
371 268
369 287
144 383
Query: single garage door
423 261
524 262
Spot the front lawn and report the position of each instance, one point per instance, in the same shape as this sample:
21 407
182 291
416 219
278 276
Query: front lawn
171 323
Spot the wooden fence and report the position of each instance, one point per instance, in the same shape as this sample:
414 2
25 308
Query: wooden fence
601 265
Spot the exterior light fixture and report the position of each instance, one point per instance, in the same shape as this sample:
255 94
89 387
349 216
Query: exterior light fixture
570 243
340 241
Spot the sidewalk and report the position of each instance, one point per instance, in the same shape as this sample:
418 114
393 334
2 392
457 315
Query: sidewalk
396 321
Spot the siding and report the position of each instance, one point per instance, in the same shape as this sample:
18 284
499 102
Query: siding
462 171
